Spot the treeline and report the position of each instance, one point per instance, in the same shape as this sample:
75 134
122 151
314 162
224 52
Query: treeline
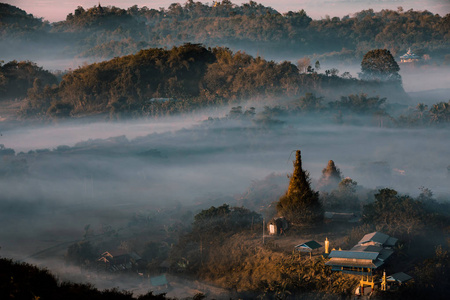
157 82
102 31
16 23
354 109
25 281
17 77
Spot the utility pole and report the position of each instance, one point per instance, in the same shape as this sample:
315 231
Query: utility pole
263 231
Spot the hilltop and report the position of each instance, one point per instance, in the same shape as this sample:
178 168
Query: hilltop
156 82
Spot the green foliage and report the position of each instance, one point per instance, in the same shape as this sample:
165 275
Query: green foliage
379 64
432 278
239 26
224 219
300 205
155 251
309 103
111 31
422 115
156 82
344 198
395 214
129 83
15 22
17 77
440 112
361 104
60 109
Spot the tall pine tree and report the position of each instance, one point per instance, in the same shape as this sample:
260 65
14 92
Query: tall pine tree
300 205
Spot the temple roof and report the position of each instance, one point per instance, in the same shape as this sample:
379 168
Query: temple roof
409 55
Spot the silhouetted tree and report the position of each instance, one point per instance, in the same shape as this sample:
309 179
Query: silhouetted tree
379 64
300 205
395 214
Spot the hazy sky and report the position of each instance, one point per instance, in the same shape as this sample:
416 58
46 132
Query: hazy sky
56 10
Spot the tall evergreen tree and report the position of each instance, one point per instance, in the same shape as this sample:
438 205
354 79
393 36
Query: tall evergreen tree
300 205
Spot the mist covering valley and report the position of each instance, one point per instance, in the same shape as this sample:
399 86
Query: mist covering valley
145 165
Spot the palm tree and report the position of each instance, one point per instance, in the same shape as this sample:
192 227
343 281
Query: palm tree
440 113
421 109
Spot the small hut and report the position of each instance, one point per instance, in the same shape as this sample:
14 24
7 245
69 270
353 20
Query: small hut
308 247
277 226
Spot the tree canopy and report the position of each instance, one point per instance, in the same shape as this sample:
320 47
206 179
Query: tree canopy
17 77
224 218
108 31
395 214
379 64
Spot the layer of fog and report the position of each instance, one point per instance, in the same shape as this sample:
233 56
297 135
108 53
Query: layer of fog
180 286
148 166
25 138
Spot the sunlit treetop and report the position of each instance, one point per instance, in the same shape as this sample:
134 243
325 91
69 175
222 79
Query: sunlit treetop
379 64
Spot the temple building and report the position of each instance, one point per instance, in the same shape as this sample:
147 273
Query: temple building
369 254
409 57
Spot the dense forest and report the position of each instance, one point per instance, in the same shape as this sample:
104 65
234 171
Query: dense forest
110 31
157 82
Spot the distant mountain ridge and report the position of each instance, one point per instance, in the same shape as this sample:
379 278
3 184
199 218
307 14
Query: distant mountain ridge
110 31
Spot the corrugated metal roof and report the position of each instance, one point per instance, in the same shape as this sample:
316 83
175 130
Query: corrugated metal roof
354 254
399 277
376 237
312 245
385 253
391 241
369 248
378 263
355 264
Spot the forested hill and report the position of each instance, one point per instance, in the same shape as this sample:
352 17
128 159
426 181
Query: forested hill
13 19
26 281
110 31
158 81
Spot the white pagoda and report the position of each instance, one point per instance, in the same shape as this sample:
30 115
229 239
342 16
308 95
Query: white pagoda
409 57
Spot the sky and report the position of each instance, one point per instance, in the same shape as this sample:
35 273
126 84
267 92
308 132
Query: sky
57 10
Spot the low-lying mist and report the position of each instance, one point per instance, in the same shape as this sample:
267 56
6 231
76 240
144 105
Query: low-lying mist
69 175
